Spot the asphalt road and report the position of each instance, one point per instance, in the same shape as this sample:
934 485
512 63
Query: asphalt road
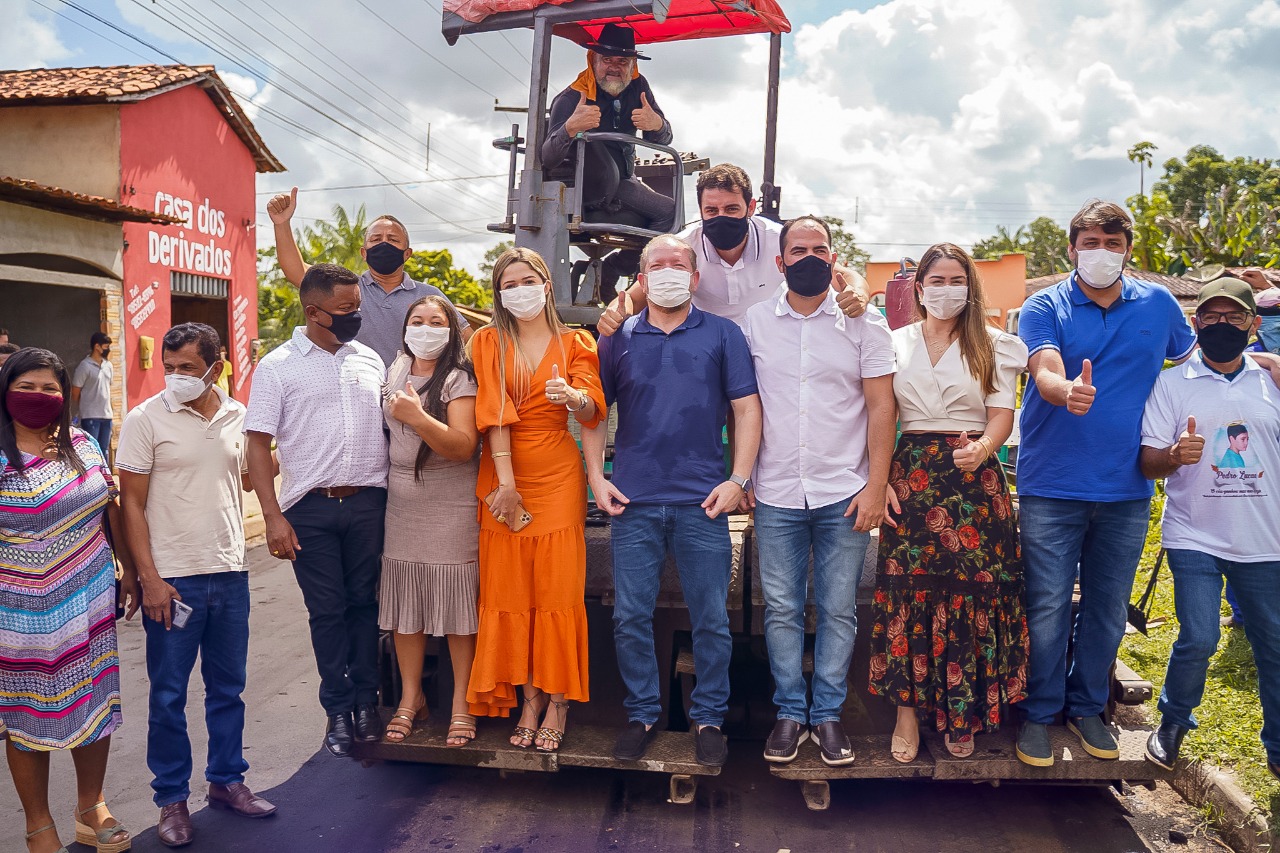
327 804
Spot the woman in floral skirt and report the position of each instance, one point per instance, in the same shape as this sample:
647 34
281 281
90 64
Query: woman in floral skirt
949 643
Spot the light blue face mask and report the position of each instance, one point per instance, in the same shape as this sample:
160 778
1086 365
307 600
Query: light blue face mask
1269 333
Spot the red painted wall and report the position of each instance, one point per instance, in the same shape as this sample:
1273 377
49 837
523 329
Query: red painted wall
179 156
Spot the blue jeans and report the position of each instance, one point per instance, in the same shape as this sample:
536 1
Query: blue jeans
786 537
640 539
99 429
1101 542
218 629
1197 593
338 570
1234 603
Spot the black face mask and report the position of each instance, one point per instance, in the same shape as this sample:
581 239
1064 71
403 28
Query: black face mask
809 276
1222 343
725 232
344 327
106 352
384 258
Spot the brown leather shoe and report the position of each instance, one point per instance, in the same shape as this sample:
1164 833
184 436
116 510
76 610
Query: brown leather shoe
175 825
237 798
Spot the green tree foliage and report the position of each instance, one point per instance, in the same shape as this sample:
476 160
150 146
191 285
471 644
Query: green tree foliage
1141 153
845 246
1209 210
490 257
336 242
435 266
278 307
1042 240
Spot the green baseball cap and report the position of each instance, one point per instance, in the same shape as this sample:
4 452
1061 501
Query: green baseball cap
1230 288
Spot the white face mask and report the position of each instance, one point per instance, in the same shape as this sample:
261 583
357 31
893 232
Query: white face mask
185 388
1099 267
668 288
944 301
524 302
426 342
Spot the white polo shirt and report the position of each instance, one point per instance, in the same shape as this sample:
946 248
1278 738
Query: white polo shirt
1227 504
325 412
195 510
813 450
728 290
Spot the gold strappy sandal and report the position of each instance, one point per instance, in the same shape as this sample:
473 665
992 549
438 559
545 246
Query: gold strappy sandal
524 732
461 727
548 734
401 724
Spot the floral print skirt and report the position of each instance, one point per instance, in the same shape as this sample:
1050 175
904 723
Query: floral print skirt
950 631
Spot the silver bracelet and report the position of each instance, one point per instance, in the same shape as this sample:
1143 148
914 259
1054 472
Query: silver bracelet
585 400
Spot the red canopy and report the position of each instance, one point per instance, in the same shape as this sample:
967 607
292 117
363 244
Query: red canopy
685 19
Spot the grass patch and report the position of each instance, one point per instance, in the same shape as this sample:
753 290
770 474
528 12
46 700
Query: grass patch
1230 716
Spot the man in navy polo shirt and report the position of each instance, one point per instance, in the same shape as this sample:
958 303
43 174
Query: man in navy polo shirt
1098 341
674 372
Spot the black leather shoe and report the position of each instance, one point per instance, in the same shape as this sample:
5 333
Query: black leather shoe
784 741
711 747
368 724
1165 743
337 737
633 741
833 744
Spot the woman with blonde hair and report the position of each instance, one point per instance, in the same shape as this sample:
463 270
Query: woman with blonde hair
949 643
531 371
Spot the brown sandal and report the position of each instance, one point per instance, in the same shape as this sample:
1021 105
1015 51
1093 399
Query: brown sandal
401 724
553 736
961 747
462 727
524 732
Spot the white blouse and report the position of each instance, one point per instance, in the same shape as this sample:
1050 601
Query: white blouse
945 397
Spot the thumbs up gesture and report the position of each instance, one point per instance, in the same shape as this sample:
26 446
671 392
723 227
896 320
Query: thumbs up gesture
1190 446
970 454
615 315
1080 396
282 207
850 288
559 392
406 406
646 118
585 117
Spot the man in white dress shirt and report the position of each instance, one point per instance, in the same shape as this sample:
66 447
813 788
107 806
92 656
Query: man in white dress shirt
826 387
737 256
319 396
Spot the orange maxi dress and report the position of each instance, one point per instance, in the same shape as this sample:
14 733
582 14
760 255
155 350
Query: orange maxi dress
533 619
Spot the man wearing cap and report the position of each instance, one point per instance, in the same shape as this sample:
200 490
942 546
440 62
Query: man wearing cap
610 96
1218 522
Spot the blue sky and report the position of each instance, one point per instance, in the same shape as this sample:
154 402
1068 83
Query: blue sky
923 120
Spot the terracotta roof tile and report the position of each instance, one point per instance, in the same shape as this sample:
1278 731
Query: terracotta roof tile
32 194
45 86
1182 288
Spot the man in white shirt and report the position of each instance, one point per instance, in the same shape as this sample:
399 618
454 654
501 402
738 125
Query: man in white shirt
319 396
737 256
1219 520
181 468
826 387
91 392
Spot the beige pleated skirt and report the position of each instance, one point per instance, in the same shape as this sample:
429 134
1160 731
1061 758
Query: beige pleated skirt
430 560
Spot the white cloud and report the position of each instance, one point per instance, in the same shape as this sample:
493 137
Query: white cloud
29 39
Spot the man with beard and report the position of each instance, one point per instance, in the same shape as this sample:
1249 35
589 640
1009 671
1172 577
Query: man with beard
386 290
737 254
610 96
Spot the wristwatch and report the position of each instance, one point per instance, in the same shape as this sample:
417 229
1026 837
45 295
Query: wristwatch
743 483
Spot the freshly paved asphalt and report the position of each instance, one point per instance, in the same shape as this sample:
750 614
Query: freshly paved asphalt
327 804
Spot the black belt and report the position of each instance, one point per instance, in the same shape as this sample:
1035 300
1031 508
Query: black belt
338 492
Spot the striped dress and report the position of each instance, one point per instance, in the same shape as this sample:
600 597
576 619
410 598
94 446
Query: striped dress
59 668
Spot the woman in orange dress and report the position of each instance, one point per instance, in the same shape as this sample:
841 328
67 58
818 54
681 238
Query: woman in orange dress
531 371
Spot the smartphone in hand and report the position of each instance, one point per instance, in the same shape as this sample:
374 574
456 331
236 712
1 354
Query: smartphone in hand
181 613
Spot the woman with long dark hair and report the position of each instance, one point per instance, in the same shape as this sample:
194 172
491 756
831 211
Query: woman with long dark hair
949 643
429 583
533 555
59 667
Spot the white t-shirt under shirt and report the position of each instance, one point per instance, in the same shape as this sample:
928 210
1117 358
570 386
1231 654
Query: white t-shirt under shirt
1227 504
195 510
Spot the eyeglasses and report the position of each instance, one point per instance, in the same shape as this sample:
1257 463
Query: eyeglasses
1235 318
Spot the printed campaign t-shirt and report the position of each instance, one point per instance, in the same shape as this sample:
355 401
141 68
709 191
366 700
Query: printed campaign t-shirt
1227 504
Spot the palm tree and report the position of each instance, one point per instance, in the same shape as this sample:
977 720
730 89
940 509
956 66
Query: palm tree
336 242
1141 154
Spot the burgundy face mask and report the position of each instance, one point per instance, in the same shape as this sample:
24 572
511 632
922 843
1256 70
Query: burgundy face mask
33 409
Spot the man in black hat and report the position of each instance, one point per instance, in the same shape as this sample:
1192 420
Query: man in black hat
610 96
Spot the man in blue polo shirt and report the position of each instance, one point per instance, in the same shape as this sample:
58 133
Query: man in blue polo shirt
1098 341
675 372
